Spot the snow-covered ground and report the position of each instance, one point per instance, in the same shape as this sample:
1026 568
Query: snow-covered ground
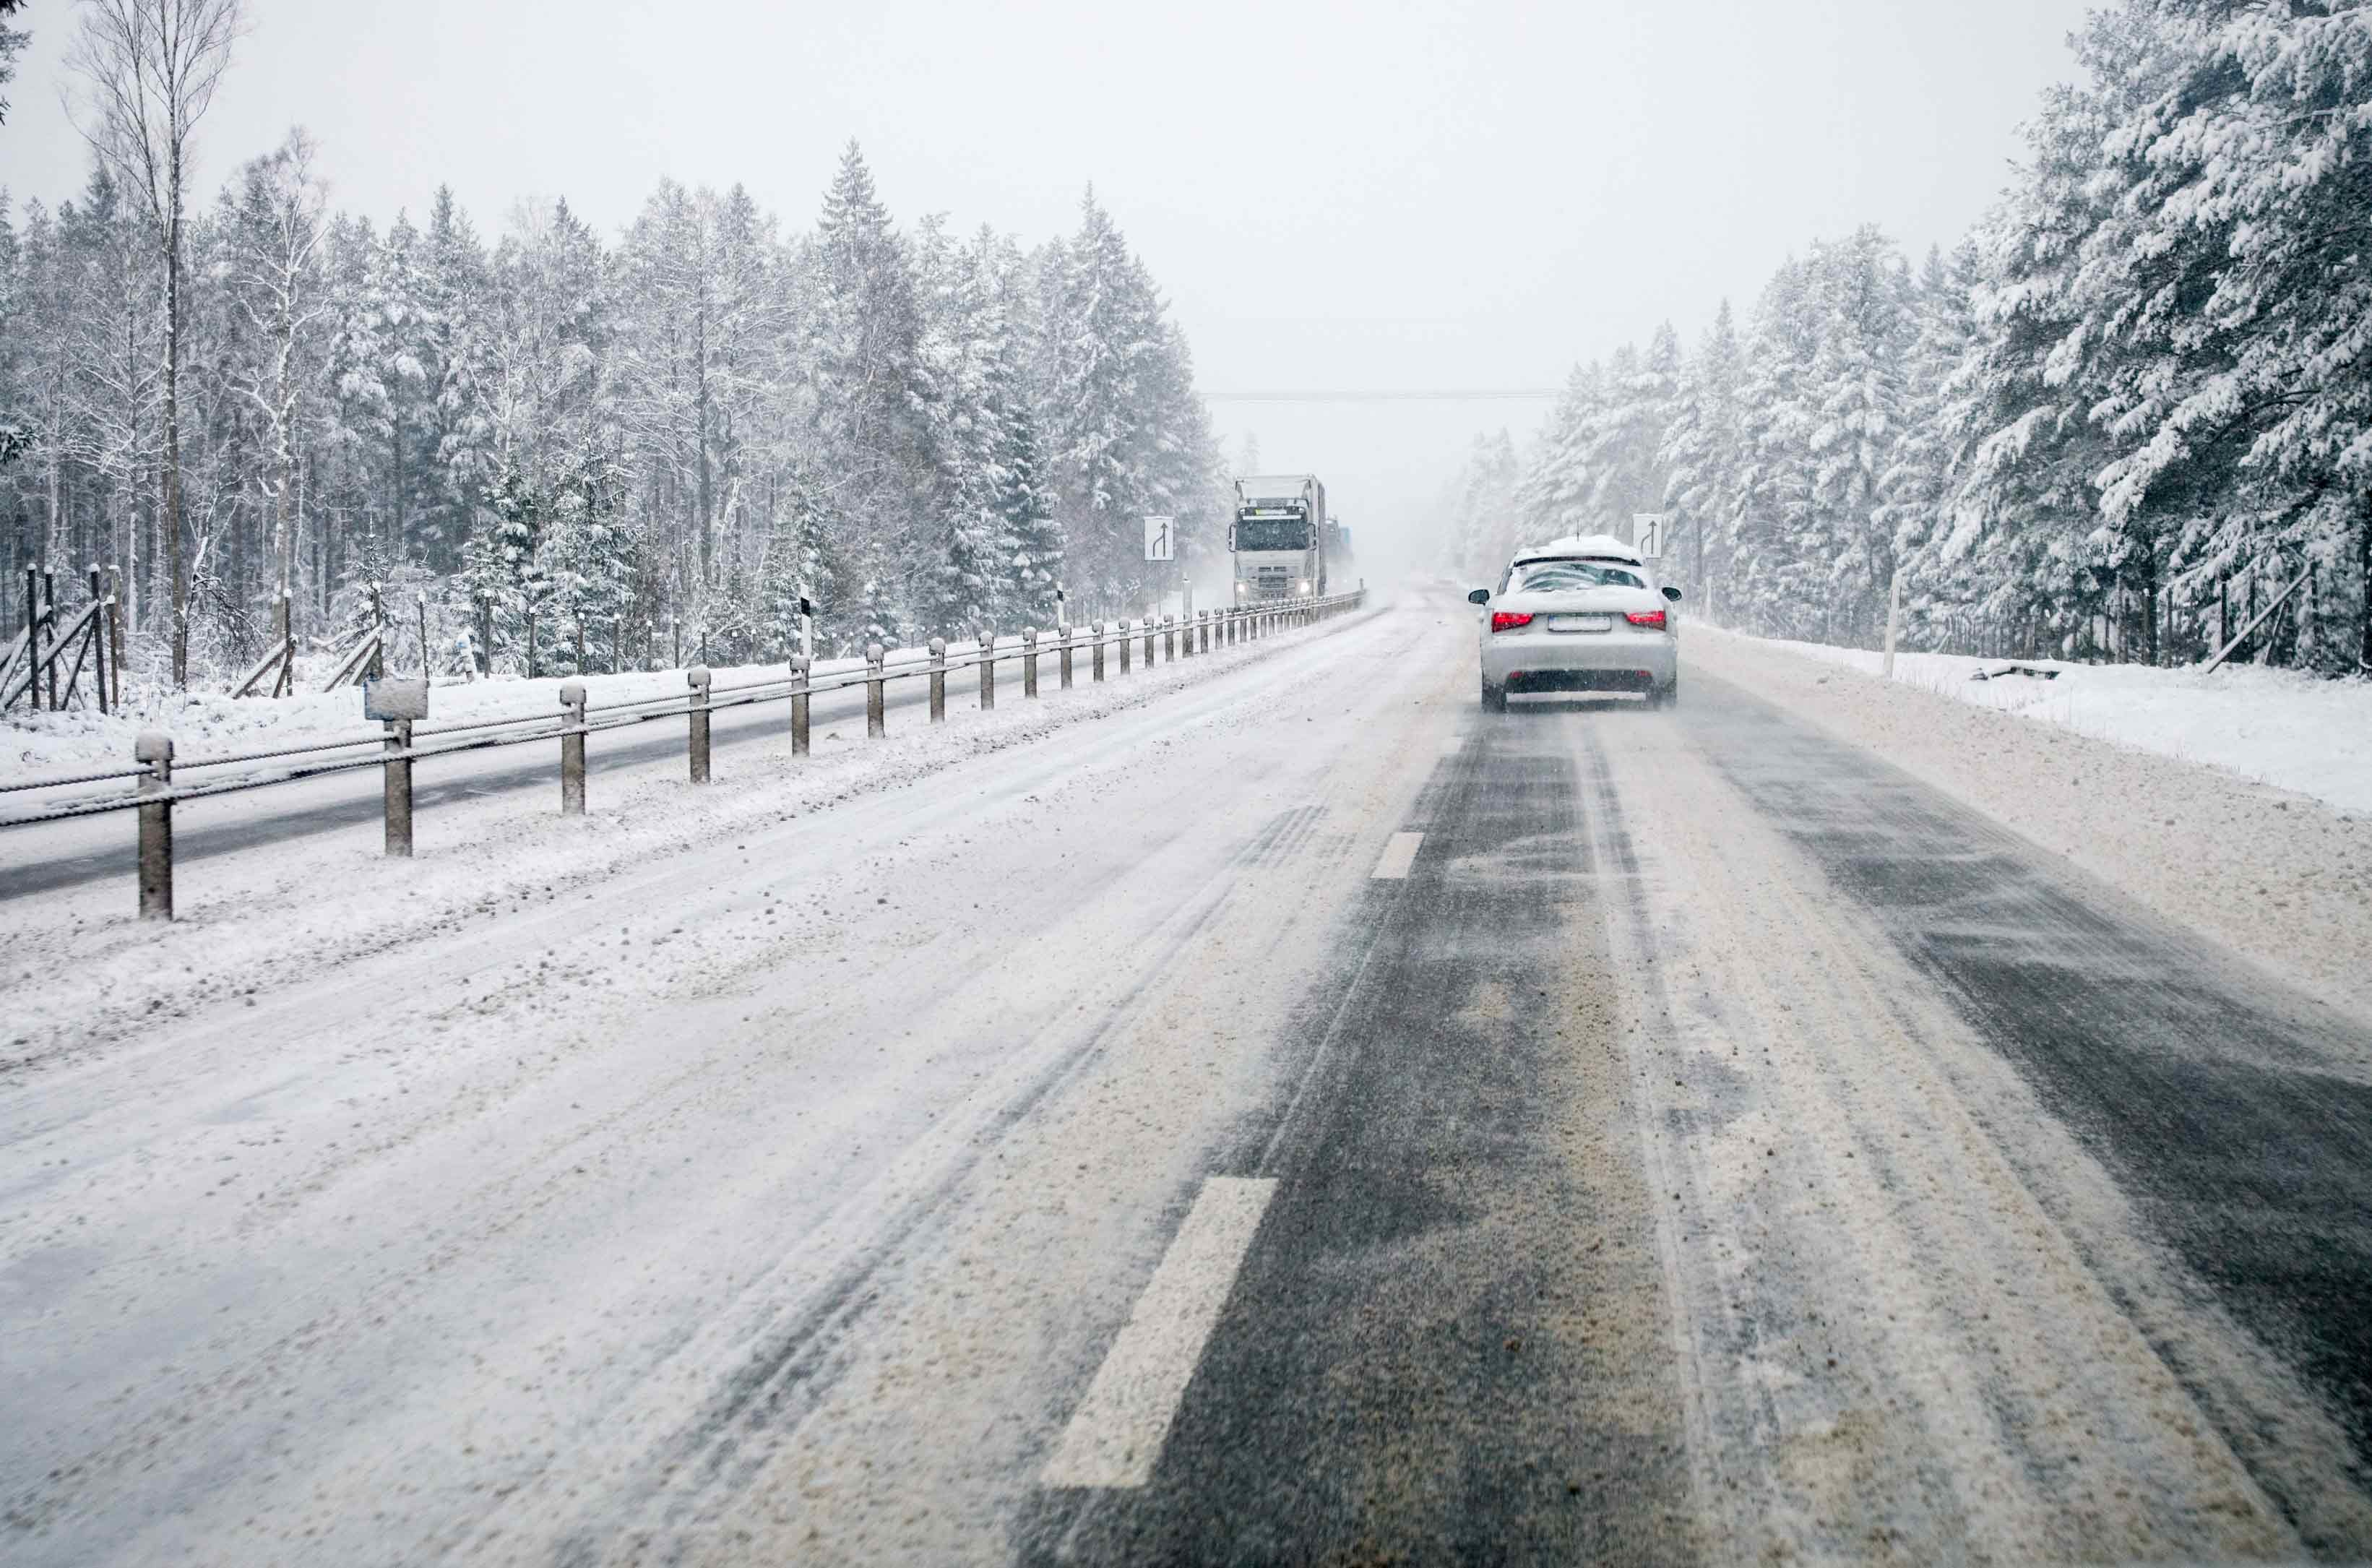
2276 726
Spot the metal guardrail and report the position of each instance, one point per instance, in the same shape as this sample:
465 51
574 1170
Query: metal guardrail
398 747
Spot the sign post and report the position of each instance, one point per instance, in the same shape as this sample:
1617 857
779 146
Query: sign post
1160 545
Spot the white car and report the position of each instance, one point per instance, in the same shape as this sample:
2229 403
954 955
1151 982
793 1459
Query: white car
1583 614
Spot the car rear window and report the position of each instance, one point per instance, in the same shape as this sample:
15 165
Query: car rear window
1539 576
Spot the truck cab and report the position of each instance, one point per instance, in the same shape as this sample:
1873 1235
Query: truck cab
1279 538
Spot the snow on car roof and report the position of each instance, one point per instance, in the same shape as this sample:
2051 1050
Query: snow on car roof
1596 545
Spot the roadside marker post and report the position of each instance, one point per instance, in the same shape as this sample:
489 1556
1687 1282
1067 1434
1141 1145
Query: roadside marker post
398 791
154 750
987 669
572 749
876 724
800 666
397 704
1893 620
938 679
698 678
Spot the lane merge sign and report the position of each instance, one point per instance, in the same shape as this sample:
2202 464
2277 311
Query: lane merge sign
1160 538
1647 533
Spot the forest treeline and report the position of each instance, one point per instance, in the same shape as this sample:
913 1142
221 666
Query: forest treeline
676 432
2131 406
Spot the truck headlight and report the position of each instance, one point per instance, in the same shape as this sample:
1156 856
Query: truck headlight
1239 587
1305 585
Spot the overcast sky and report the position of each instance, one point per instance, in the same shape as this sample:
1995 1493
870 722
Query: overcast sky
1361 195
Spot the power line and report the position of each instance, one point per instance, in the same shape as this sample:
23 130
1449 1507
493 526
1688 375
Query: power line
1455 395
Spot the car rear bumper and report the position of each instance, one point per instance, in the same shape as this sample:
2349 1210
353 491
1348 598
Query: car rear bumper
1580 661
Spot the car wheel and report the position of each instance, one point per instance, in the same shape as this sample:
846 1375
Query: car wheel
1494 697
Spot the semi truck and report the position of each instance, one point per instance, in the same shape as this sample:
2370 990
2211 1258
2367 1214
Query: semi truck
1279 539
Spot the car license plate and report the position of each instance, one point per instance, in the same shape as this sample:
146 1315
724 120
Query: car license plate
1580 622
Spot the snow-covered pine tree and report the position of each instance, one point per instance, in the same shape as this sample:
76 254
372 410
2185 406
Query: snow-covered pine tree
2242 162
1856 396
1700 453
1030 537
1915 491
1102 341
454 285
1553 498
867 335
952 574
1621 443
1782 576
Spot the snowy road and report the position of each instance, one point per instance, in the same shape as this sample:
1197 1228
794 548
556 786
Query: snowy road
1292 1119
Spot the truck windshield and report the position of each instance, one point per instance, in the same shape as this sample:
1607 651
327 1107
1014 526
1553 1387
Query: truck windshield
1272 534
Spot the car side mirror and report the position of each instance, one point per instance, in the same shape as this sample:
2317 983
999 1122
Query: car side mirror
1672 593
1480 596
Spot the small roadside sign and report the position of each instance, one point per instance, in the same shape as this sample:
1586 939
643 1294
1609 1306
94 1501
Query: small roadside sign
1160 540
393 699
1647 533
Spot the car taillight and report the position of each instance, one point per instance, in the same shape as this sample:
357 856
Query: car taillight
1644 618
1509 619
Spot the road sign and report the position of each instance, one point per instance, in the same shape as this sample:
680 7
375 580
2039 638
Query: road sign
1647 533
1160 540
393 699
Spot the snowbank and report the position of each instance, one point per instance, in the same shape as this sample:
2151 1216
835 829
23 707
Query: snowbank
2275 727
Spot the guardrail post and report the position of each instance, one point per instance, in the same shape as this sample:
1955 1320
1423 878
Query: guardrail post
938 679
876 724
1124 647
987 671
1202 630
1150 633
698 678
1096 664
1062 651
572 749
799 669
154 750
1029 661
398 792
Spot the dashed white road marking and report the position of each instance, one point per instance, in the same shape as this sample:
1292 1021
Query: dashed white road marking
1117 1431
1398 855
